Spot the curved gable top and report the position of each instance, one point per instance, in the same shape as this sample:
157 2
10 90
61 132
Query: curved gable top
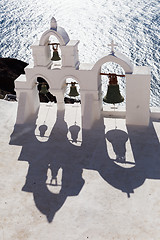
118 58
59 33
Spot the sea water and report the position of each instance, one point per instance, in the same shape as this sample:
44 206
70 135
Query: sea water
133 25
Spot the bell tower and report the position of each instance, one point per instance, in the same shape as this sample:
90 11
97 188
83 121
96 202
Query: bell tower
88 77
69 48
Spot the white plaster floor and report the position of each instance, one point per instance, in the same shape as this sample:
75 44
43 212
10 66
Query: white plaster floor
108 179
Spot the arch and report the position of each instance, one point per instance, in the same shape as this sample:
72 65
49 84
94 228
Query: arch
112 67
32 80
60 34
123 68
118 58
74 124
62 81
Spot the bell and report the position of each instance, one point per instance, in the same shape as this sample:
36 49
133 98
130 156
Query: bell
56 56
44 89
113 93
73 90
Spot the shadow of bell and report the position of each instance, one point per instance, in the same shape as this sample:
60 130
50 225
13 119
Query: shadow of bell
42 129
74 130
118 139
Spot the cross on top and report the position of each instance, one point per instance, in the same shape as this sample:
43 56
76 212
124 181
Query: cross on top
112 45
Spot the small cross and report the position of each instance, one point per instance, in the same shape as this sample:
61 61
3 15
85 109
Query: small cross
112 45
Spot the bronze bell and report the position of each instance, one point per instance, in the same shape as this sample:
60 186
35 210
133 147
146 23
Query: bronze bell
73 90
44 89
56 56
113 93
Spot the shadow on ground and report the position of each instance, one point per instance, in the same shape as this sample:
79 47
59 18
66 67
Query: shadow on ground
59 153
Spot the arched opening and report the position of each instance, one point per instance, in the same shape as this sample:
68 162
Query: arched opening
107 104
55 52
72 91
117 139
44 93
72 100
47 111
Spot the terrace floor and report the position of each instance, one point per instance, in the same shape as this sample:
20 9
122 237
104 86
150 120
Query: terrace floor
59 182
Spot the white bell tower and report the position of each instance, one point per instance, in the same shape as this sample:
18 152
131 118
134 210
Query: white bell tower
87 76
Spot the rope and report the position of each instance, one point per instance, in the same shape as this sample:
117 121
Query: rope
115 118
48 109
76 113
